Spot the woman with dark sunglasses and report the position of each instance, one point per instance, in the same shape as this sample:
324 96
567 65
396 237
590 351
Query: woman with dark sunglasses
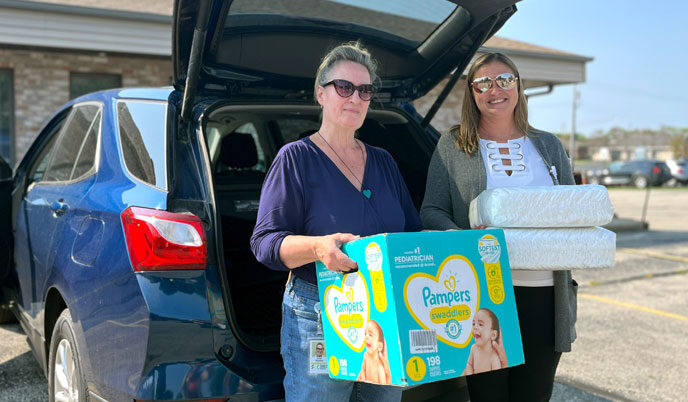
495 146
323 191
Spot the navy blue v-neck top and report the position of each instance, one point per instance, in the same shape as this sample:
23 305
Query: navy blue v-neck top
306 194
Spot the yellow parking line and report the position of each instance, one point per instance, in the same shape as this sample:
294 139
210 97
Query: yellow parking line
653 254
634 306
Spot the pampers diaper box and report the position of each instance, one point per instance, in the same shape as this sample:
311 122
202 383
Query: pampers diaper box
422 307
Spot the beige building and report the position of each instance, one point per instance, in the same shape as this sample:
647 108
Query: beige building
54 50
622 145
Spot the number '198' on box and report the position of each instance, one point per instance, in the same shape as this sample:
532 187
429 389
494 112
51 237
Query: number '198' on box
423 307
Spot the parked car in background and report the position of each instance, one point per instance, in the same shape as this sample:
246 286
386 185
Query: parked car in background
638 173
129 266
679 171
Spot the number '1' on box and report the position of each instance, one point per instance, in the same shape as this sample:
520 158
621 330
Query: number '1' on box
422 307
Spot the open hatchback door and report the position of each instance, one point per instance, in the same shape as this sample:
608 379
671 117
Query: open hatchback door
272 49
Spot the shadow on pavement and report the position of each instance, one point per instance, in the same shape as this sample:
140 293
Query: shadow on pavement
567 393
13 327
649 238
21 379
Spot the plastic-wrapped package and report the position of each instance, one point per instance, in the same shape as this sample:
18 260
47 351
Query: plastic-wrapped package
542 207
560 248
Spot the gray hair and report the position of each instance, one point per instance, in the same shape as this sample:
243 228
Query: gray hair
352 51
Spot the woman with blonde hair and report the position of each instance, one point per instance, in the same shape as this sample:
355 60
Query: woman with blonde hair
495 146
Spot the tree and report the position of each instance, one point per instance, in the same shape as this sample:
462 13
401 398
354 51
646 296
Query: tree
679 146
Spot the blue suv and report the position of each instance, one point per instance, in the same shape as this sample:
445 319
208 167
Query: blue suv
125 243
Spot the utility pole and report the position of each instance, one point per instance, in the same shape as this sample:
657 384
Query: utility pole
572 140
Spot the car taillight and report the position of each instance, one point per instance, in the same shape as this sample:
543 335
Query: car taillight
680 170
656 170
160 240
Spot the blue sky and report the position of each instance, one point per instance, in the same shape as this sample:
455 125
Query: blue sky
639 48
639 51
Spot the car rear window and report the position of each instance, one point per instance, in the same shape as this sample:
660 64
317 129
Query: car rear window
142 128
295 129
389 16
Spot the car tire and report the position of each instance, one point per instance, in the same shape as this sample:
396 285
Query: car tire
640 181
65 377
594 180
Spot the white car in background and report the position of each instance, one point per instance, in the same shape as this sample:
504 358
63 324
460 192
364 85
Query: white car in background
679 172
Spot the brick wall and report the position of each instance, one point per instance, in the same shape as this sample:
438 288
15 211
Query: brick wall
41 82
41 85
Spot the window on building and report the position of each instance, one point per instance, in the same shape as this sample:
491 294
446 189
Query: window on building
84 83
6 114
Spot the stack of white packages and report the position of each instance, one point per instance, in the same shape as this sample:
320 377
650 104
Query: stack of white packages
550 227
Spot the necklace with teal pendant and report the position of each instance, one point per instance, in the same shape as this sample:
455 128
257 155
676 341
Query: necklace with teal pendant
366 192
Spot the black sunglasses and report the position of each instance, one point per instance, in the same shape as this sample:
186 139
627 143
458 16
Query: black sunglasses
505 81
346 88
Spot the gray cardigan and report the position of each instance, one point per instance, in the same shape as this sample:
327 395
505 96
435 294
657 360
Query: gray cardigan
455 178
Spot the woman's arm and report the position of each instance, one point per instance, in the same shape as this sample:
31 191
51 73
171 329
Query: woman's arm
561 160
436 211
566 175
412 221
296 251
411 215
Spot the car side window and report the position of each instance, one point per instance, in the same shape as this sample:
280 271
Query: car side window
78 136
614 166
39 163
143 141
86 159
38 169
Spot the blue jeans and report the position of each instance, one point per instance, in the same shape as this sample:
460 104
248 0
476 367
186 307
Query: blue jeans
299 321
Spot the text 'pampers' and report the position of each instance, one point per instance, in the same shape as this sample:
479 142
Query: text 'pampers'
435 299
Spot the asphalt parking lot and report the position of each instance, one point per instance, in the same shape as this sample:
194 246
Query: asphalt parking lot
632 319
21 379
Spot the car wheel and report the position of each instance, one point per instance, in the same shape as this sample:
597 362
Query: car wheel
594 180
640 181
65 378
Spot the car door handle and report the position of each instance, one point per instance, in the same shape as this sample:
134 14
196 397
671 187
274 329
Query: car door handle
59 208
